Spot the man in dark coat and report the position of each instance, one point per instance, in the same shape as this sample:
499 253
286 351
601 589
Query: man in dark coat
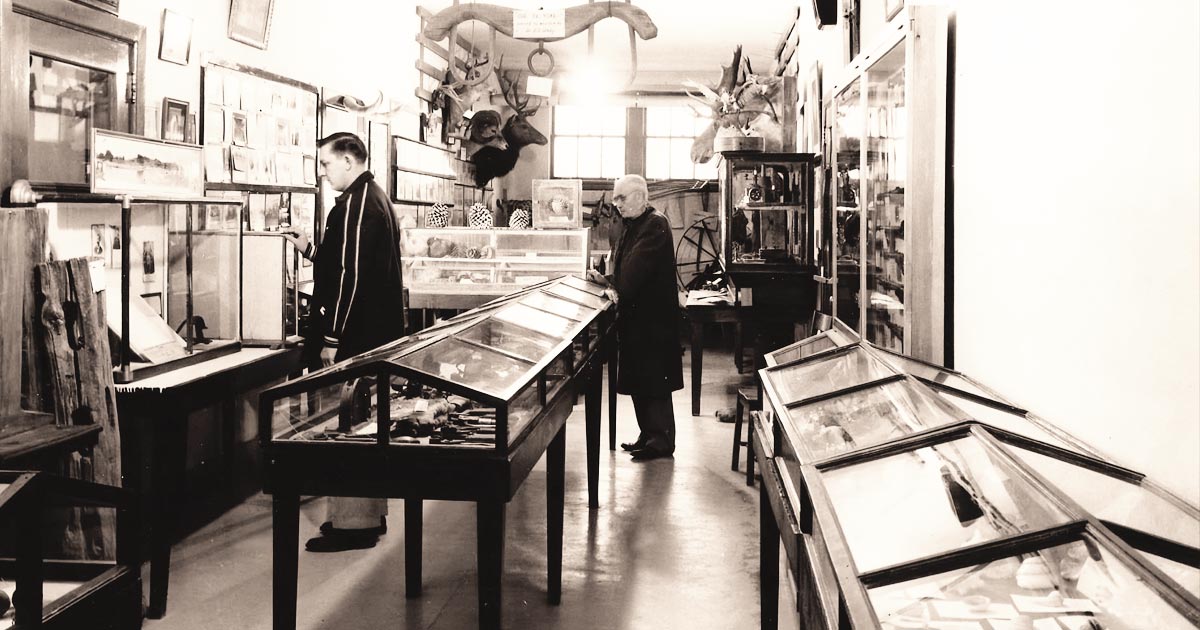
357 303
649 366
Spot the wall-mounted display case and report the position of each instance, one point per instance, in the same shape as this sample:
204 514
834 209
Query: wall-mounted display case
907 495
170 268
463 267
890 132
766 214
461 411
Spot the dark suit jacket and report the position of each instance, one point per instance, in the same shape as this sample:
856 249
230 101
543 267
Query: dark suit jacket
649 362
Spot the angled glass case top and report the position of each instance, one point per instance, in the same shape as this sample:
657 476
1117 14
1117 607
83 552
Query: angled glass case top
1078 585
1116 500
823 375
932 500
934 374
469 365
513 340
533 319
577 295
869 417
1007 419
583 285
545 302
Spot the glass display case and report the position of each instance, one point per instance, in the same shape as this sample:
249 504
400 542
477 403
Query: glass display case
459 268
912 496
170 268
888 147
766 213
461 411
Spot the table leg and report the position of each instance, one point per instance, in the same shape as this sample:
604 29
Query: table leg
413 530
489 525
697 363
612 394
30 574
285 515
768 563
737 346
170 468
592 425
556 457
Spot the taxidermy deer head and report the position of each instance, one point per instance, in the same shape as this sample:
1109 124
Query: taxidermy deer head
491 161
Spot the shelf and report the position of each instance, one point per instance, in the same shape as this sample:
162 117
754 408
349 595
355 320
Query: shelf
770 206
416 202
539 260
259 188
414 171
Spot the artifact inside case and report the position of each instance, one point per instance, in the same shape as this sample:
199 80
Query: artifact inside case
473 381
184 272
767 202
953 508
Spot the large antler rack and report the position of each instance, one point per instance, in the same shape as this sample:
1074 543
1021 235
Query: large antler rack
510 89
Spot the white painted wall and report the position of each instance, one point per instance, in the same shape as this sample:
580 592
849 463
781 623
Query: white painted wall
1077 216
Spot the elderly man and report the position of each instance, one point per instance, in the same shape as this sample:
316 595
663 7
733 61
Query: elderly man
649 366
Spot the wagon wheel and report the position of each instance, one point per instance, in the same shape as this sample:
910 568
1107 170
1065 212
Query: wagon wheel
696 250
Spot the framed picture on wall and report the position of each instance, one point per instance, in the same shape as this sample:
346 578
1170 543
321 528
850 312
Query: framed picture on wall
122 163
892 7
176 42
174 120
250 21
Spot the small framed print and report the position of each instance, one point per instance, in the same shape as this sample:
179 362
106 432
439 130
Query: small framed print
174 120
250 21
556 203
892 7
176 42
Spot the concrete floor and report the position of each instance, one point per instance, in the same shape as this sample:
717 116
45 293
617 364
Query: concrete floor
672 546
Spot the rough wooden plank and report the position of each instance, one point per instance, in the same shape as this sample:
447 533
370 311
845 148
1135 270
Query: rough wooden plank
82 377
35 388
11 294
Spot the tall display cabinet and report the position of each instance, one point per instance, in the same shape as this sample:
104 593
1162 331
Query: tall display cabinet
889 145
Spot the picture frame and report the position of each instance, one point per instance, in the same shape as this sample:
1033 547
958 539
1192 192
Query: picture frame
557 203
123 163
107 6
175 41
891 8
250 21
813 110
174 120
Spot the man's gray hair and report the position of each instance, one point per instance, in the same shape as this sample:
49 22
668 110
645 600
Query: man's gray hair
640 182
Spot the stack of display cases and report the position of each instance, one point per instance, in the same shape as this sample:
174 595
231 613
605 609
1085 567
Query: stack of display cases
57 593
888 188
910 496
176 299
460 411
458 268
766 216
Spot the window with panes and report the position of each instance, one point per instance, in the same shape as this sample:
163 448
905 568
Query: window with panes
590 142
670 133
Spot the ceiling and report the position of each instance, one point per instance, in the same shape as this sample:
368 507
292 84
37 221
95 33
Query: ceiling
694 39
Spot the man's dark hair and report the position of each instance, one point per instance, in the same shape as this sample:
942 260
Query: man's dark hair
345 142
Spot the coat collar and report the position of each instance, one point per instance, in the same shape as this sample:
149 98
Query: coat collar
359 182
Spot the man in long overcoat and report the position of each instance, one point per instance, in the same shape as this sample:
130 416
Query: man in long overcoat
649 366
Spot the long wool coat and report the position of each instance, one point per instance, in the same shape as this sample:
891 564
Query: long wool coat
648 362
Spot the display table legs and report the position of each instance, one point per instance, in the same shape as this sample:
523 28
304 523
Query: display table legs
697 363
489 517
768 563
612 394
591 403
556 458
413 533
285 527
169 465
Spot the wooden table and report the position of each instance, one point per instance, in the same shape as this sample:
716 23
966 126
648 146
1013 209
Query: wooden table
700 313
154 411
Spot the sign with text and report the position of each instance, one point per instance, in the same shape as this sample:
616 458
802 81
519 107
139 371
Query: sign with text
539 24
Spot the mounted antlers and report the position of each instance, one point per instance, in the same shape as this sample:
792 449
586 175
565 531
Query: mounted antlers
491 161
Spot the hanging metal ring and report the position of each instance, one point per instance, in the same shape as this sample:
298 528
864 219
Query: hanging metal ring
540 50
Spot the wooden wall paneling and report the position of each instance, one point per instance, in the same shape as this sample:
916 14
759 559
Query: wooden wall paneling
83 379
36 394
12 290
14 97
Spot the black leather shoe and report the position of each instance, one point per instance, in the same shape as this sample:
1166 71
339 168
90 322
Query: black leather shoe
330 543
647 454
633 446
328 528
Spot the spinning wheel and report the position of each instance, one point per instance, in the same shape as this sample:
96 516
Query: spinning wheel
697 251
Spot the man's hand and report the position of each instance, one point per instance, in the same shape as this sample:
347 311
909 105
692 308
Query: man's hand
327 355
612 294
597 277
298 239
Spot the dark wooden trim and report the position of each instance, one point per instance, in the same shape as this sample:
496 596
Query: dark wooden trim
63 570
858 607
825 355
987 402
260 188
921 439
975 554
264 74
1156 545
845 391
1071 457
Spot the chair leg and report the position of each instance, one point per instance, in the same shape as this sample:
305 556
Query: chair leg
737 433
749 454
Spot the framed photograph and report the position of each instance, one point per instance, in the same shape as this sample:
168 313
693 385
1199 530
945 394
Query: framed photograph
250 21
100 243
557 203
174 120
892 7
241 133
154 301
122 163
175 44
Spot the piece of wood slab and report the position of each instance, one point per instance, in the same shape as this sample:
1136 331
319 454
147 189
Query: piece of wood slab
83 378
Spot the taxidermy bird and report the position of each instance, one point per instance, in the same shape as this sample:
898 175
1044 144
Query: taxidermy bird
491 161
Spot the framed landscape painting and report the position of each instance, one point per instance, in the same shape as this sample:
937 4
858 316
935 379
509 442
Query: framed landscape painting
126 164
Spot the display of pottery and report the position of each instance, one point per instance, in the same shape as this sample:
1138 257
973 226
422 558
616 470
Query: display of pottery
1033 574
